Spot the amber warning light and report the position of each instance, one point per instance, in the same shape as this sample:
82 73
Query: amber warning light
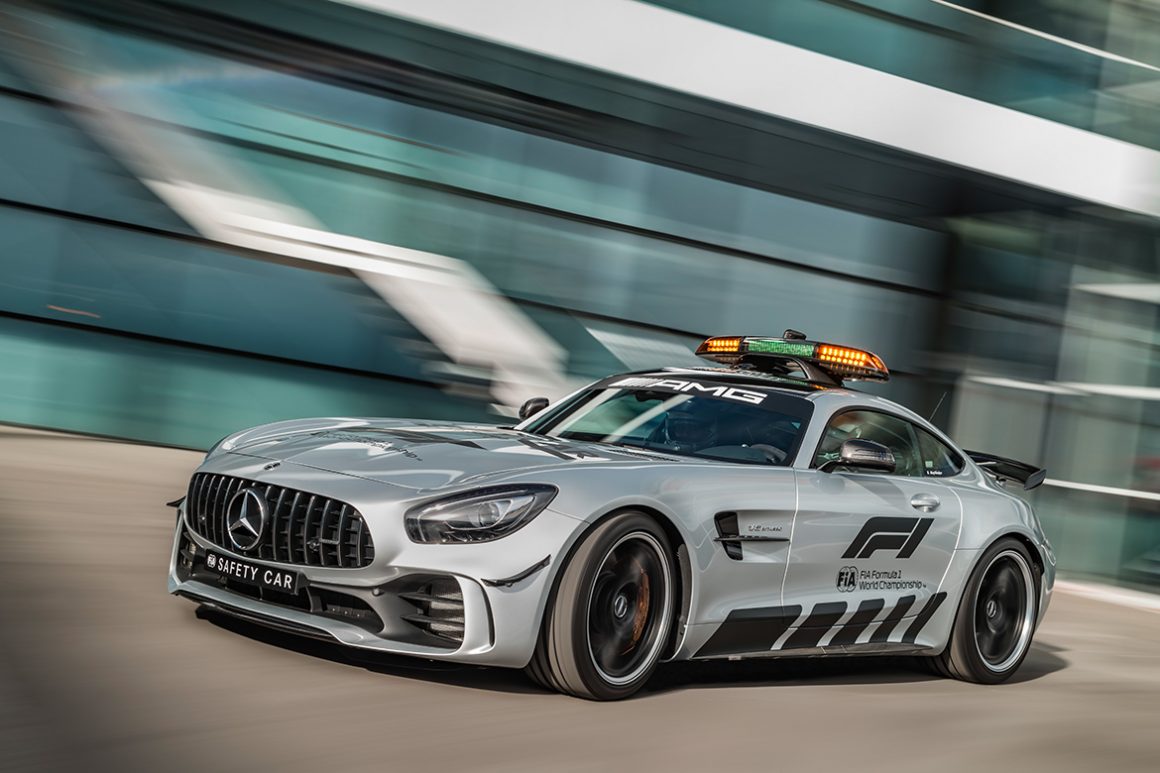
842 362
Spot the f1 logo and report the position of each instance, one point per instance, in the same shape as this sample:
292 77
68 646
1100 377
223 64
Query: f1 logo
889 533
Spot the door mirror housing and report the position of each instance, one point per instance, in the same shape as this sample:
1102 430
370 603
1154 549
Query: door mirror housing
862 455
533 406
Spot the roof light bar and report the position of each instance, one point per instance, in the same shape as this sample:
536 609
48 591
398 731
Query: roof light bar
721 345
842 362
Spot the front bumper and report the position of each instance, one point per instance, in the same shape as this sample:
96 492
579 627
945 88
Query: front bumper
497 589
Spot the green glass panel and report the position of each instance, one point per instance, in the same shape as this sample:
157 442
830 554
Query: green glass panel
790 348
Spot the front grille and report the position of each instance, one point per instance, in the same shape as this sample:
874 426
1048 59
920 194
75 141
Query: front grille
302 528
317 601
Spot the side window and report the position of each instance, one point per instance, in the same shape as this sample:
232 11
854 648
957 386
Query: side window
896 434
938 461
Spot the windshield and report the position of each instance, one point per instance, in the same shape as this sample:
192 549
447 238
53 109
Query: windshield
713 420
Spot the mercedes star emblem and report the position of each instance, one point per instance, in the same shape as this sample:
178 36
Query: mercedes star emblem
246 516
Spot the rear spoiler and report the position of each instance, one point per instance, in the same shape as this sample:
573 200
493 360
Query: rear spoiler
1009 469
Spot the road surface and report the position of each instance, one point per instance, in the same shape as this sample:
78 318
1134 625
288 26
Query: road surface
101 670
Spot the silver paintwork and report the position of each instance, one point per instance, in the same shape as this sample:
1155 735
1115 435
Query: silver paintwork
819 513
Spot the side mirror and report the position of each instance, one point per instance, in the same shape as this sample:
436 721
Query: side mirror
862 455
532 407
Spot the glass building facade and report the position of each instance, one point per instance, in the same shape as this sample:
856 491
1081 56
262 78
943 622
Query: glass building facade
217 214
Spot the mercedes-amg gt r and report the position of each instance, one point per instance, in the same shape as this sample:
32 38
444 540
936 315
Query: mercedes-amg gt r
755 509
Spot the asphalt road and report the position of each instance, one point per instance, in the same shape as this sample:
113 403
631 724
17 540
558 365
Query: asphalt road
101 670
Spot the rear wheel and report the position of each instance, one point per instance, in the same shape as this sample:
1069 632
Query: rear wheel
607 626
996 617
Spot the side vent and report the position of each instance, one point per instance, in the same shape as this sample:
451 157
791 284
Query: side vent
438 608
728 533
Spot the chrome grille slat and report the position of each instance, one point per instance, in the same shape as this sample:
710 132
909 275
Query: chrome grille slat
290 528
218 516
233 486
322 536
274 522
203 497
341 535
206 504
214 488
193 510
296 520
306 529
263 544
211 487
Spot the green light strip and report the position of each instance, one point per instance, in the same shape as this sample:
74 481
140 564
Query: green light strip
775 346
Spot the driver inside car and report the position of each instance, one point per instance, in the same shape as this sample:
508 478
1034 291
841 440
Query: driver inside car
686 428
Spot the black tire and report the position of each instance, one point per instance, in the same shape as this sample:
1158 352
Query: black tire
608 623
996 617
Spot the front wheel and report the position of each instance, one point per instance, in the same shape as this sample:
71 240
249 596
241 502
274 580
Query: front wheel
996 617
608 624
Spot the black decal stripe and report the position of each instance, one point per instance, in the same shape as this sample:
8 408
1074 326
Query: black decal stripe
924 617
919 532
750 630
820 621
879 524
886 627
882 542
867 611
418 437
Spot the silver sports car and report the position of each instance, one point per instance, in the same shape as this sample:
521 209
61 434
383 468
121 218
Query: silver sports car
756 509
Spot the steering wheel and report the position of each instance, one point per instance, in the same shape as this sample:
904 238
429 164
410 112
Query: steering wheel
772 453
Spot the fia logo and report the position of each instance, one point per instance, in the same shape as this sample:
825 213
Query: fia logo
847 579
211 561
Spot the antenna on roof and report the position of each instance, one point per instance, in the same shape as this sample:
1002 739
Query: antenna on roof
793 335
937 406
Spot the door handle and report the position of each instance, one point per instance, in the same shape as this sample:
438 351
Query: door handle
927 503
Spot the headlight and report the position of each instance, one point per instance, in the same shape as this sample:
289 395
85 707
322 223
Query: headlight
478 516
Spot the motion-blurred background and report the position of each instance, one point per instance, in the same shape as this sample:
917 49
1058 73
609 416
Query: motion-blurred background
217 213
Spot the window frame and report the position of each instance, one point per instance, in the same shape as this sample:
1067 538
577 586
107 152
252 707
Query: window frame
915 428
957 456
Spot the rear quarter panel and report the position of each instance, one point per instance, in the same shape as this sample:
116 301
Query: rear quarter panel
990 512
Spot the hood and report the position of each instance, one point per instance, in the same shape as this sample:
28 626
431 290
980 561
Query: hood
427 455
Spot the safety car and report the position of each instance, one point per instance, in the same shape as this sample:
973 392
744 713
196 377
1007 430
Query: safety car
754 507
